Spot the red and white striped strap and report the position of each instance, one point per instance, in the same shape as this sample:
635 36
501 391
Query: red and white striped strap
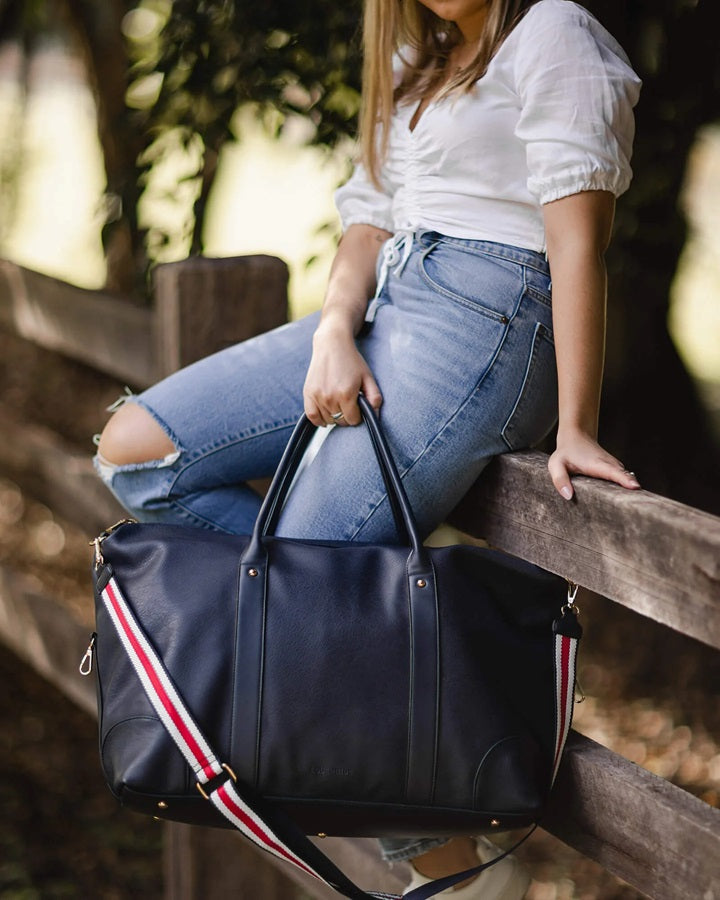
185 732
565 656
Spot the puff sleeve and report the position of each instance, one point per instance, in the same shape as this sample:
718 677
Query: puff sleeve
577 91
359 202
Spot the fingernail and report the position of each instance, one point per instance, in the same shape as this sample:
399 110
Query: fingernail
567 492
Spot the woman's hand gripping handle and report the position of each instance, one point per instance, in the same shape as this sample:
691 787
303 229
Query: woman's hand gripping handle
337 370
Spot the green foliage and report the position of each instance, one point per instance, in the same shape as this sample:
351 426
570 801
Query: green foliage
195 63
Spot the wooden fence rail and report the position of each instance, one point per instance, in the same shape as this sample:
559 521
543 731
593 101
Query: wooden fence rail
651 554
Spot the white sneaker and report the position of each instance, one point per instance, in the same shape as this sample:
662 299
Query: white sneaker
506 880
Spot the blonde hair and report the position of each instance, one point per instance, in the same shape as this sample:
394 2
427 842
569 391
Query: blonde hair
423 42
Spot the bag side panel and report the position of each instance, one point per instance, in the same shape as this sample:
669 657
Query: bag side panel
182 586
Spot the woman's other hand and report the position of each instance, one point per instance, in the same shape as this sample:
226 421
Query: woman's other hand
580 454
337 373
578 230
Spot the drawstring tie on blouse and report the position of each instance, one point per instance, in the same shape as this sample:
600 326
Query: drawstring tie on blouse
396 252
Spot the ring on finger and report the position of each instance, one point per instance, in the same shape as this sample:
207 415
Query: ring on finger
337 416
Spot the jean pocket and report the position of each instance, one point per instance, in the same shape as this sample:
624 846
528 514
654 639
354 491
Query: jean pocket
487 284
535 410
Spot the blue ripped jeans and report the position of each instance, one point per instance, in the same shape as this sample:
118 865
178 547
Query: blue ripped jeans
461 346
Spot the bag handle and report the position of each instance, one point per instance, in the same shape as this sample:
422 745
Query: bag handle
272 505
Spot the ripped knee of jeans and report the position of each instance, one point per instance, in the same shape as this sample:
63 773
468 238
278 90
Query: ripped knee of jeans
107 470
135 439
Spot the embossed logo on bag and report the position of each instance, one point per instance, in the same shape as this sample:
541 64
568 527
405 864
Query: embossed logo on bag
330 771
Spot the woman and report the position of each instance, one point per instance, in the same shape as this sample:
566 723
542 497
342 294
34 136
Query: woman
496 135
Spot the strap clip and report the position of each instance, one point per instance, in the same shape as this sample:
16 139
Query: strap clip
97 542
570 606
212 785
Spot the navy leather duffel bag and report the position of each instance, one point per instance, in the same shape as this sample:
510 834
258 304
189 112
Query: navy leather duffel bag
290 687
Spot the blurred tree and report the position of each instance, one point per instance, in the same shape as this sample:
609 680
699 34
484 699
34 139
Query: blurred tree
213 56
652 416
96 28
94 31
172 73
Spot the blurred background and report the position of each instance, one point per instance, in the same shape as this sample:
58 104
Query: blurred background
133 133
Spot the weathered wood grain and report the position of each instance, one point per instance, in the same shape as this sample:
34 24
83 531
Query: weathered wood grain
45 634
203 305
654 555
65 479
96 328
641 828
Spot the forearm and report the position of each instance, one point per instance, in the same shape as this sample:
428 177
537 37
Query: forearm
337 371
579 294
578 231
351 283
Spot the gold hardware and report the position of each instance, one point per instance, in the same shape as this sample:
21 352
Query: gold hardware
421 583
86 663
321 834
162 805
97 542
253 573
157 818
571 595
227 769
495 823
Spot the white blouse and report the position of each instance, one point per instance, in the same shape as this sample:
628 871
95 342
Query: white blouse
552 116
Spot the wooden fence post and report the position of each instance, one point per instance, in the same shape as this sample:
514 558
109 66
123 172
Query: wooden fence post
215 864
203 305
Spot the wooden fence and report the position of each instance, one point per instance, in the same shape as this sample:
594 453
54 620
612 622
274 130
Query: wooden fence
651 554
